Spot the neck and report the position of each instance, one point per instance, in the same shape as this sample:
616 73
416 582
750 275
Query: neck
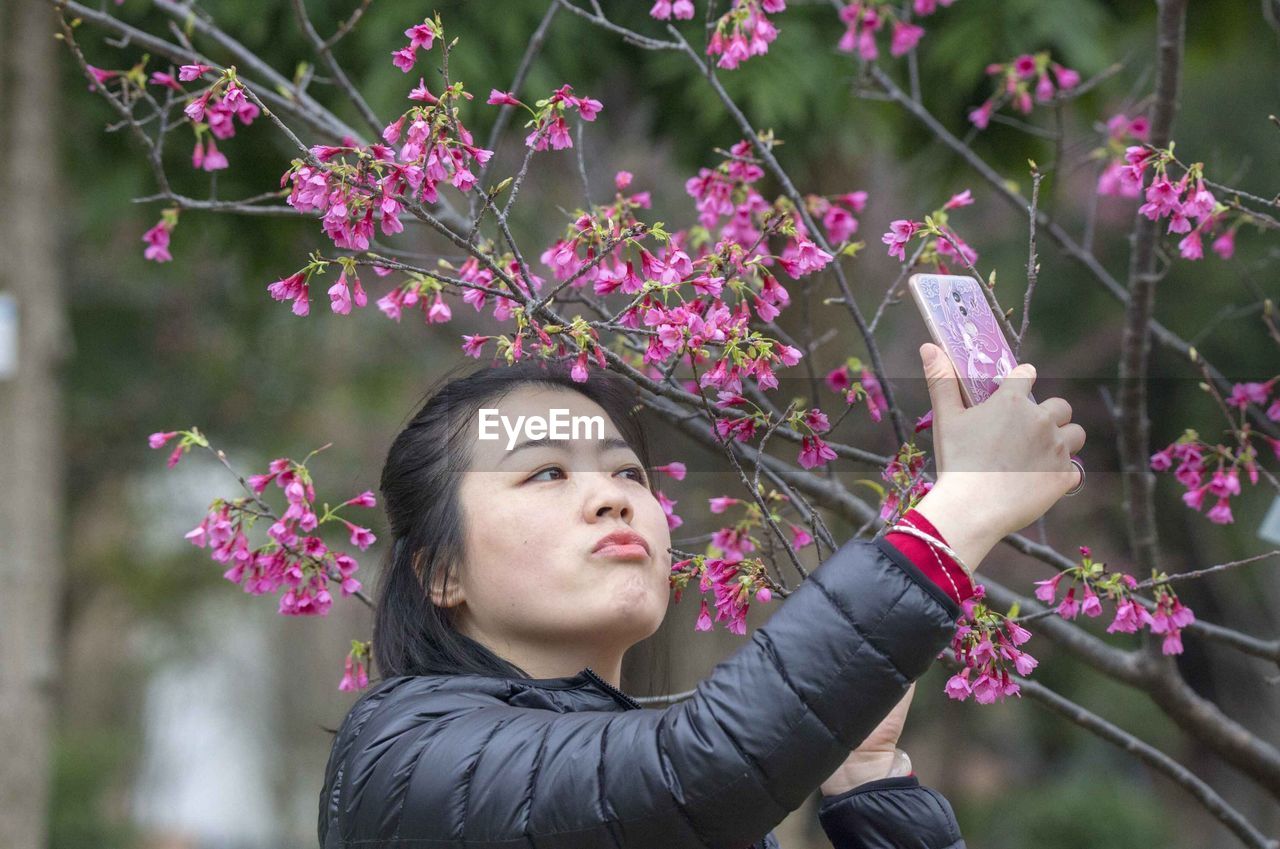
555 661
563 665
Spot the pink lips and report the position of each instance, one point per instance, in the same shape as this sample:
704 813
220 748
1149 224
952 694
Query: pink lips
622 544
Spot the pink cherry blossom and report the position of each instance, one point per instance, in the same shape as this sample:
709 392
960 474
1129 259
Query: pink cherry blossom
1044 89
815 452
838 379
1066 77
421 35
404 58
1047 590
473 345
295 288
1024 66
502 98
1069 607
1220 512
214 159
981 116
900 231
158 439
157 239
958 687
704 618
1225 245
166 80
188 73
904 38
1091 606
1190 245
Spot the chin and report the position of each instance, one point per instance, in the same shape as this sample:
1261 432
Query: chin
638 615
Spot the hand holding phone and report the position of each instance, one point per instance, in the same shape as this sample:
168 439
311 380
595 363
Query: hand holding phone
1000 465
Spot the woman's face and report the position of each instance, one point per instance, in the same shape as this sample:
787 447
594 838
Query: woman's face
533 587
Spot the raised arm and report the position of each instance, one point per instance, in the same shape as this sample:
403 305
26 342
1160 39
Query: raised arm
433 769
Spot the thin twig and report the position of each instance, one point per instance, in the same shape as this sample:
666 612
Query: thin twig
1033 262
347 25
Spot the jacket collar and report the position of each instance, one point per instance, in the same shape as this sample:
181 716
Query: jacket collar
584 691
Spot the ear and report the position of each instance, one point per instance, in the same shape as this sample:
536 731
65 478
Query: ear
446 594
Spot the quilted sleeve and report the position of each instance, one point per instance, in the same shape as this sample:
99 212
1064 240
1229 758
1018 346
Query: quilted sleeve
892 813
719 769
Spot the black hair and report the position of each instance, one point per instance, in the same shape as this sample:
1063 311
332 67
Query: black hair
420 494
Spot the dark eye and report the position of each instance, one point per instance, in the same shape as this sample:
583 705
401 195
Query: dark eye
639 472
544 471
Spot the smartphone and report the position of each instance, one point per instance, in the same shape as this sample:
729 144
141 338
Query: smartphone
962 323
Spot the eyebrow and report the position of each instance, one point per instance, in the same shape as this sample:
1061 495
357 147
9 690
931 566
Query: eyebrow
606 444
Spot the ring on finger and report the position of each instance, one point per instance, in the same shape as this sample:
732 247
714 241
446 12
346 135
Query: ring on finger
1075 489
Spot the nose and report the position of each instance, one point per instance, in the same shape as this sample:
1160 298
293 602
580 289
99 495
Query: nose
608 497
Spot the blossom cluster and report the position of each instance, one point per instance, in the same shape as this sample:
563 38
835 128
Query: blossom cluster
726 571
1183 202
355 674
744 31
1122 132
601 248
866 387
946 245
216 109
421 35
665 10
863 19
720 271
293 557
728 193
1097 582
732 584
1022 81
904 475
1193 457
345 292
548 121
351 185
836 212
813 451
985 644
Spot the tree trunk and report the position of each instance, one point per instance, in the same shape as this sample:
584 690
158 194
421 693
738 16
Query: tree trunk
31 478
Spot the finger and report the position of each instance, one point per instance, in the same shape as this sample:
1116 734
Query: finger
1019 380
1058 409
1074 436
904 703
1077 474
942 380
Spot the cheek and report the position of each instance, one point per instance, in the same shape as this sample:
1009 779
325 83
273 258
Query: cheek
657 531
517 560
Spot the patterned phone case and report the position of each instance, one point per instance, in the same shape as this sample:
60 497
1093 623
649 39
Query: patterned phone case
961 323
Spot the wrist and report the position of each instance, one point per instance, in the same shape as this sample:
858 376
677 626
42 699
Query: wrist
970 534
858 769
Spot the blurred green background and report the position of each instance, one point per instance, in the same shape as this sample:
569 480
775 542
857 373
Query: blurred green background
192 715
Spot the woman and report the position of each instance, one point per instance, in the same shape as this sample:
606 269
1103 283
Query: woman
520 574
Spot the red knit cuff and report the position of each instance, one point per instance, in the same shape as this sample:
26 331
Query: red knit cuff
937 565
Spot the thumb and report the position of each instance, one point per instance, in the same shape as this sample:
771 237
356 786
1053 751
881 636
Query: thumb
1020 378
942 380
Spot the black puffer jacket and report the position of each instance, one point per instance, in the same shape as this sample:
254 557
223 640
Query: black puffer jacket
429 762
